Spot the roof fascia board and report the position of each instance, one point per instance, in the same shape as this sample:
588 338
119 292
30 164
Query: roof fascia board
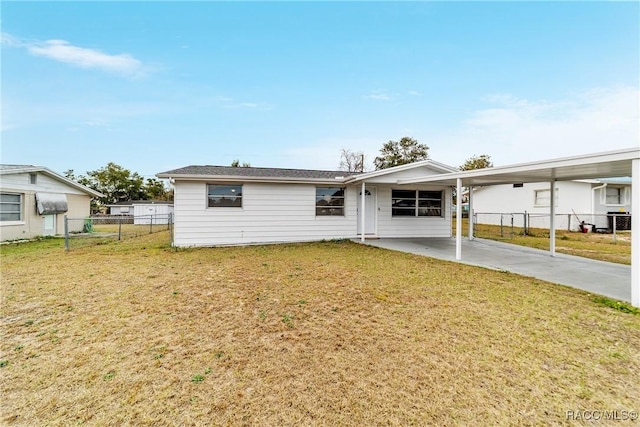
435 165
228 178
611 156
56 176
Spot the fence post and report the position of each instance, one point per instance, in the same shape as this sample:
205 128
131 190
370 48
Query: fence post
171 228
150 223
569 222
512 226
501 229
526 225
615 220
66 233
120 227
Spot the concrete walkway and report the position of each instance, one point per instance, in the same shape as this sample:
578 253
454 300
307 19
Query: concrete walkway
599 277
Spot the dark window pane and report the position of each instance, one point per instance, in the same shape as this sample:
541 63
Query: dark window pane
329 201
403 212
330 211
9 198
430 195
429 212
225 190
9 216
224 196
329 192
403 203
221 202
429 203
403 194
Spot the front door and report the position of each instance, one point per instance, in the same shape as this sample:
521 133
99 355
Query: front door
369 211
49 225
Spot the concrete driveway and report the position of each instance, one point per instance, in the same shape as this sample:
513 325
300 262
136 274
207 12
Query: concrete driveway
599 277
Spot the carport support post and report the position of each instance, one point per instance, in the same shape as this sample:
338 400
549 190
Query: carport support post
552 219
635 233
470 212
458 219
362 201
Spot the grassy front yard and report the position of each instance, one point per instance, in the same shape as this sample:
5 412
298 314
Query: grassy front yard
334 333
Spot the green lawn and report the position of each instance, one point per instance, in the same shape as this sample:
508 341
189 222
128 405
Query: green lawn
332 333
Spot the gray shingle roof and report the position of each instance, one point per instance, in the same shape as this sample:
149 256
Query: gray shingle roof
256 172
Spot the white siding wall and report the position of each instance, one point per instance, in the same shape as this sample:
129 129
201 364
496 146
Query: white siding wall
269 213
571 196
286 213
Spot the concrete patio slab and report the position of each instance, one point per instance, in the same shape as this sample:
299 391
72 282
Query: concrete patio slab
598 277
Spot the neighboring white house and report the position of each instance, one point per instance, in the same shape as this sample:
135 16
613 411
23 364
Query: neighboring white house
223 205
592 201
144 211
34 200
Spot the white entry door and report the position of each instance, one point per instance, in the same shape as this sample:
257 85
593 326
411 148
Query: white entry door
49 228
370 210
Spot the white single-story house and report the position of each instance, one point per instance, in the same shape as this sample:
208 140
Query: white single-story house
590 200
144 211
224 205
218 205
34 201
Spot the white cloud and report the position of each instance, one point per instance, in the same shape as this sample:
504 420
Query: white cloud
379 96
63 51
514 129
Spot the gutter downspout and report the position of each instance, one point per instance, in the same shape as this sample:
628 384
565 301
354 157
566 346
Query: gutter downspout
593 201
459 219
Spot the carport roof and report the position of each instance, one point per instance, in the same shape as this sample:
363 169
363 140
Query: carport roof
610 164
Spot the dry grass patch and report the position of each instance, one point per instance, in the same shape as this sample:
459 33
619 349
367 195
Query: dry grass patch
334 333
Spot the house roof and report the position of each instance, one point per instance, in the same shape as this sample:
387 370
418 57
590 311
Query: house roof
16 169
230 173
610 164
141 202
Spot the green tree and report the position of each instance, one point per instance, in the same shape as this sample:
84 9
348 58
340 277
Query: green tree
477 162
155 190
395 153
116 183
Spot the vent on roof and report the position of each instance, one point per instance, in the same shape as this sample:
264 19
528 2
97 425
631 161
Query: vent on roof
50 203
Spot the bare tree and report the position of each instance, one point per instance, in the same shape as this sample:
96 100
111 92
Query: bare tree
351 161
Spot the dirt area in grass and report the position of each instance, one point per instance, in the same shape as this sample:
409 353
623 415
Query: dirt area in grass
333 333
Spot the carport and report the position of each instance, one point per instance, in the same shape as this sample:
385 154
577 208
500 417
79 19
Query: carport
611 164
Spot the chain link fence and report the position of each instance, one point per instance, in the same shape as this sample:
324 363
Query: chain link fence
526 223
95 230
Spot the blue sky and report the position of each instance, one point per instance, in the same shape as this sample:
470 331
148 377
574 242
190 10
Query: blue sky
154 86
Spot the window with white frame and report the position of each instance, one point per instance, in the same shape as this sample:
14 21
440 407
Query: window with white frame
329 201
542 198
224 196
613 196
416 203
10 207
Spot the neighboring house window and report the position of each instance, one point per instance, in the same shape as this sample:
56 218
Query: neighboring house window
224 196
33 178
416 203
543 197
10 207
329 201
614 196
